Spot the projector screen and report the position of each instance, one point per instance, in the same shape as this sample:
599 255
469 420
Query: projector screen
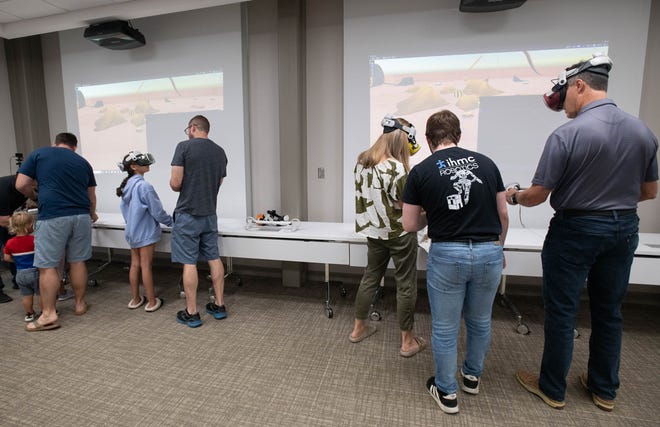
490 69
113 117
416 87
142 99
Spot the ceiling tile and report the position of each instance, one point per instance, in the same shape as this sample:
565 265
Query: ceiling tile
26 9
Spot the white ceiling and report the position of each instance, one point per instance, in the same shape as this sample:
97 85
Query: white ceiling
20 18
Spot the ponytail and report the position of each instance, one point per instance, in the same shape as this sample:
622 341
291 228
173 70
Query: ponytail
127 167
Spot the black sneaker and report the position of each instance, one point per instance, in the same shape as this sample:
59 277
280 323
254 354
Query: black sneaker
4 298
470 383
192 320
217 311
447 402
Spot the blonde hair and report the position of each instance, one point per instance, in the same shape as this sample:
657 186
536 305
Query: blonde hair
392 144
21 223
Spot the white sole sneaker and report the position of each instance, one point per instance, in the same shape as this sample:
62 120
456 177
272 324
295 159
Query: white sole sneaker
469 383
447 402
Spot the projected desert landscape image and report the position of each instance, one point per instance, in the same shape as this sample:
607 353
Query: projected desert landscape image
112 117
415 88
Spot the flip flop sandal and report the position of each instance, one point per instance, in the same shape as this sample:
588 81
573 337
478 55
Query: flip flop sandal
39 327
159 303
369 331
133 306
421 345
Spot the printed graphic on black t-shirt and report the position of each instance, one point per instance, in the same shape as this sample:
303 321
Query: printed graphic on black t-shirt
460 171
457 189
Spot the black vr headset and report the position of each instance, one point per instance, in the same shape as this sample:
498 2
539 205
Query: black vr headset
390 124
554 99
138 158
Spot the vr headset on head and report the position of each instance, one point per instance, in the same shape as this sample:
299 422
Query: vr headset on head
390 124
554 99
140 159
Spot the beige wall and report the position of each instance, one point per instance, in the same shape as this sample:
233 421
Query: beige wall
7 136
50 45
649 110
324 109
263 96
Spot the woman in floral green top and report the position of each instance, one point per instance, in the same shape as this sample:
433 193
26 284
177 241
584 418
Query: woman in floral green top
380 176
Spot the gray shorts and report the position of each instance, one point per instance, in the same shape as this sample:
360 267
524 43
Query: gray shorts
194 238
27 280
67 235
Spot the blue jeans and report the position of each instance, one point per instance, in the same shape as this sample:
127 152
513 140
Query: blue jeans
461 278
599 250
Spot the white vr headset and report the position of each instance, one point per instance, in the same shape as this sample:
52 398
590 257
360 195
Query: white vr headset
554 99
390 124
141 159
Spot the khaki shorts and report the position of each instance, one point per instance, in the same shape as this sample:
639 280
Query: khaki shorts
69 236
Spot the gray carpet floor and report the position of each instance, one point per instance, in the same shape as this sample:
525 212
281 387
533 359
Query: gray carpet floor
277 360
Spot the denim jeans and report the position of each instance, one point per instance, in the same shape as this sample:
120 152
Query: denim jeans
461 278
600 250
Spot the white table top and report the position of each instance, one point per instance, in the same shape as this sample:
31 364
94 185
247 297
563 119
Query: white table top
322 231
520 239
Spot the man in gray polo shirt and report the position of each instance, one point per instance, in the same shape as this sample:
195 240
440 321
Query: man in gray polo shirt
198 167
597 167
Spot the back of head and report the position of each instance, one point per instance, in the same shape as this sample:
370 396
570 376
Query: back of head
201 123
595 77
125 165
393 144
67 139
443 127
21 222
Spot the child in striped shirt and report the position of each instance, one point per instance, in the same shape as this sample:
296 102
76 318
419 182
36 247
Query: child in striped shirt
20 250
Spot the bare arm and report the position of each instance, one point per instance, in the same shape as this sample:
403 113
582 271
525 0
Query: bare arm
649 190
8 258
503 213
413 219
176 178
91 192
534 195
26 186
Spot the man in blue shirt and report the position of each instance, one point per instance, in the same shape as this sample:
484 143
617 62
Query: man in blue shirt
595 168
67 208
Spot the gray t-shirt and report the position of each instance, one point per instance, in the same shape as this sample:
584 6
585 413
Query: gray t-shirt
598 160
204 165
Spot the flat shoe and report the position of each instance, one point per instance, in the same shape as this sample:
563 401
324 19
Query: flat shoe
36 326
604 404
84 310
368 331
159 303
530 382
421 345
132 306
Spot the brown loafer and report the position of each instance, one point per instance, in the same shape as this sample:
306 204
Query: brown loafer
604 404
530 382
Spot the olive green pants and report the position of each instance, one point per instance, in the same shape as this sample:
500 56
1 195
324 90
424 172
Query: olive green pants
403 251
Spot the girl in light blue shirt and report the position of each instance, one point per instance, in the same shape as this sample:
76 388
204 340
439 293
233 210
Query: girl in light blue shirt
143 213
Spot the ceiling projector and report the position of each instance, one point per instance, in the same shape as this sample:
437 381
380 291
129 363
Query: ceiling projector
115 35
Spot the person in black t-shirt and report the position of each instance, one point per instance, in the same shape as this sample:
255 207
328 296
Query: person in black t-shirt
460 195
